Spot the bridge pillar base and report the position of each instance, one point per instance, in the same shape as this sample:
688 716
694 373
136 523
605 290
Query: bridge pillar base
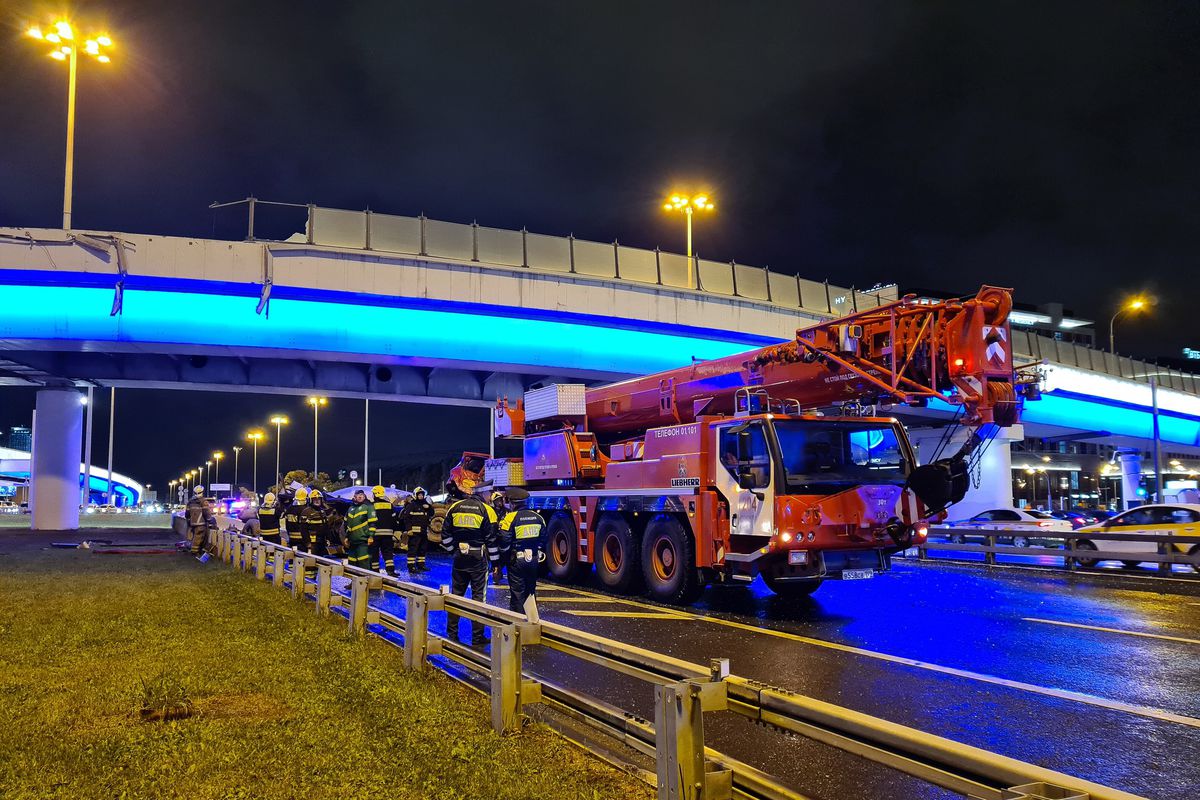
54 463
991 482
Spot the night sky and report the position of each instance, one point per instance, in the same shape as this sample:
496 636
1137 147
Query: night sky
1046 146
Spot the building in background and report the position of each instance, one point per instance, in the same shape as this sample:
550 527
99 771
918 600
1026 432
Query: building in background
20 438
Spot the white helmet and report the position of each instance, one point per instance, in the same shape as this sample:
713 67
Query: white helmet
198 491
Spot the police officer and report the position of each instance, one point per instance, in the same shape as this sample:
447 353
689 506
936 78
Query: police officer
316 523
199 517
360 531
268 519
385 529
470 534
291 520
415 518
522 539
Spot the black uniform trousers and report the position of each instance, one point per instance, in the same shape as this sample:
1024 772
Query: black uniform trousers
522 581
383 544
468 570
418 543
272 537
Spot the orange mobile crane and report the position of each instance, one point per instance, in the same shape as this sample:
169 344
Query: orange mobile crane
727 469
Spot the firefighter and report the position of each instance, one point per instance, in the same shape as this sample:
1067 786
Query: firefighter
315 523
385 530
415 518
291 520
360 531
522 540
268 519
199 518
470 534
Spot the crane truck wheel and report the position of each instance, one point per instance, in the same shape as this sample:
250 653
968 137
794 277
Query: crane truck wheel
669 561
562 549
618 554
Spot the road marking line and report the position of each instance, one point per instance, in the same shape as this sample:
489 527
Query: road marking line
624 614
1061 694
560 599
1114 630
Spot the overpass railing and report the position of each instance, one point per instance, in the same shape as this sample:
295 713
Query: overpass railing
683 691
1076 549
523 249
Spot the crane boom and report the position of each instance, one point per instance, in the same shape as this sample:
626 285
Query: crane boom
906 351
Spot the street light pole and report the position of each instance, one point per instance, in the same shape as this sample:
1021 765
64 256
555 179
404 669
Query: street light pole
237 451
112 418
254 437
1136 304
316 403
688 205
278 421
62 38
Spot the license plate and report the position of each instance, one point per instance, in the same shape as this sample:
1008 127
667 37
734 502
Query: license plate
798 557
857 574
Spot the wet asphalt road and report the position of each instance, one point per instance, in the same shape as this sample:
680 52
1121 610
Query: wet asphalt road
1095 676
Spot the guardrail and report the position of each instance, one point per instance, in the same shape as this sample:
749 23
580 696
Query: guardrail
1070 550
684 691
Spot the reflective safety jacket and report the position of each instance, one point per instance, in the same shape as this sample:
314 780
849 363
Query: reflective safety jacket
268 520
291 519
523 534
316 523
416 516
199 513
470 530
360 523
385 516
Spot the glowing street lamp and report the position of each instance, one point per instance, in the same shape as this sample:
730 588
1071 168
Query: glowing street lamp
65 47
217 456
1134 304
688 206
316 403
255 437
278 421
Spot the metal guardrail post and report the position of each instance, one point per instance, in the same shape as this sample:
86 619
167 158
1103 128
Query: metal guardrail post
799 293
767 278
679 738
250 221
417 644
509 690
367 236
474 240
423 220
989 557
298 564
324 588
828 299
360 586
571 251
524 247
278 565
658 266
733 277
616 260
260 562
312 218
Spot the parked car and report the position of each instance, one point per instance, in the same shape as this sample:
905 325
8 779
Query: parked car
1038 523
1178 519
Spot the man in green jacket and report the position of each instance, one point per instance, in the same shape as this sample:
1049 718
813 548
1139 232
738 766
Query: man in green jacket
360 531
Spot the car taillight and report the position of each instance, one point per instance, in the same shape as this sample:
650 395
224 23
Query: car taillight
1044 523
920 531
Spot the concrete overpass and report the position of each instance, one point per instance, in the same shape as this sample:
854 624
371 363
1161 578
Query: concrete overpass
372 305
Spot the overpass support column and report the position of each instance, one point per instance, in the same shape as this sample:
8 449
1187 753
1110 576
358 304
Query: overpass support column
54 463
993 475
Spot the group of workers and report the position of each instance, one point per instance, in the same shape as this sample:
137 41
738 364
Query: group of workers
482 536
365 535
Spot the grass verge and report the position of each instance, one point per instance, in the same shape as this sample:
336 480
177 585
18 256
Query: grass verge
284 704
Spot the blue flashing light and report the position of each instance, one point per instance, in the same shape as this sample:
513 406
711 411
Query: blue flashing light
82 313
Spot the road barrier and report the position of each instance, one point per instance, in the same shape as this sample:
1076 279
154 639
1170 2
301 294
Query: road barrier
1075 548
684 691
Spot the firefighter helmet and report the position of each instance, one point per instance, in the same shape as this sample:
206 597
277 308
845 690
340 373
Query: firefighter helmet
198 491
314 495
378 491
269 498
419 491
301 495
